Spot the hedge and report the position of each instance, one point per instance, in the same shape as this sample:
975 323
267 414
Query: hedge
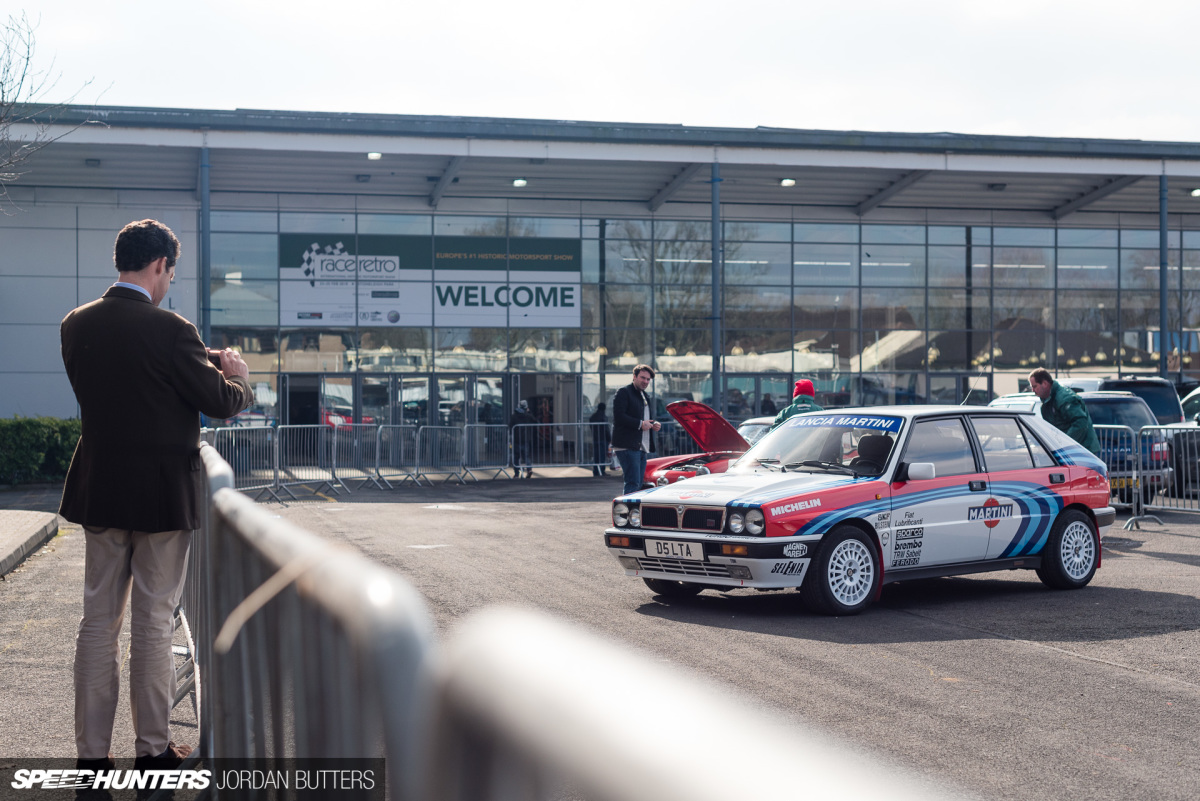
36 449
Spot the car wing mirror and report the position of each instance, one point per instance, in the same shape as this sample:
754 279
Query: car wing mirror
918 471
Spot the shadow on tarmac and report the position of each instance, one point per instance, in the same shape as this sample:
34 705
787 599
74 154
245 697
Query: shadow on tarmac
947 609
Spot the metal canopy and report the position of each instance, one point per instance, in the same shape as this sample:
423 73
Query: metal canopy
434 160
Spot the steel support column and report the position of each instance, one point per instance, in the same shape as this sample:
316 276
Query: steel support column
204 296
1164 342
717 252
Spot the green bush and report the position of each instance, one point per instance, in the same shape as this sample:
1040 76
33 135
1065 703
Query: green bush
36 448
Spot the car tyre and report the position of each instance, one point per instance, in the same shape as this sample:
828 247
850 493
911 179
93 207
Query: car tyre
1072 552
844 577
673 589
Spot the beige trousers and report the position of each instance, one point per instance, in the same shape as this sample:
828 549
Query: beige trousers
122 565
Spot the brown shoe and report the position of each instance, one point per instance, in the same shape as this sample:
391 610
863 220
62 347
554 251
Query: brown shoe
170 759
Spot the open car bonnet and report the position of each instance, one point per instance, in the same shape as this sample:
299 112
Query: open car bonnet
711 431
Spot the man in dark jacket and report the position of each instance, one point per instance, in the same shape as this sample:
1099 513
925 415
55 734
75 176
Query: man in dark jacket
802 401
633 428
142 377
599 421
522 439
1064 410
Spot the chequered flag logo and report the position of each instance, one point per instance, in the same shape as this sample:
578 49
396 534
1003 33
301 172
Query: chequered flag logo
314 250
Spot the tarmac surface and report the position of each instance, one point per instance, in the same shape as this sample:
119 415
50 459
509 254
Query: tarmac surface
989 682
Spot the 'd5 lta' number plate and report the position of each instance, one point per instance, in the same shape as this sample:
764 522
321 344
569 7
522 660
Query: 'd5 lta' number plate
666 549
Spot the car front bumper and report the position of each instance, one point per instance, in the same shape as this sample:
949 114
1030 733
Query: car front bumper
770 564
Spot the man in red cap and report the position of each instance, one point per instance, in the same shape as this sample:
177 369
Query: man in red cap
802 401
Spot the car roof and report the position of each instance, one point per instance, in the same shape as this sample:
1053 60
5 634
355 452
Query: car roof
1109 394
757 421
1139 379
912 411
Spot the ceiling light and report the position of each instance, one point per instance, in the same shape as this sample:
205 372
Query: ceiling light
1195 193
374 156
362 178
787 181
519 182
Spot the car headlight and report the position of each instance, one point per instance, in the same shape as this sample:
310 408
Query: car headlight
662 481
635 517
620 514
702 471
737 522
755 522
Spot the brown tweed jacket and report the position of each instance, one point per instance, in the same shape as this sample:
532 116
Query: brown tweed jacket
141 376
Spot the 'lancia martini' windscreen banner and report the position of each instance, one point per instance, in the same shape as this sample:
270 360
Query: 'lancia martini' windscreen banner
375 280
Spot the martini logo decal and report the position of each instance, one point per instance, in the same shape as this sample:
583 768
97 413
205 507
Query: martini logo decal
991 513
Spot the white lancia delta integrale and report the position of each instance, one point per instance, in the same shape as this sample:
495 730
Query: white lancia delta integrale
840 503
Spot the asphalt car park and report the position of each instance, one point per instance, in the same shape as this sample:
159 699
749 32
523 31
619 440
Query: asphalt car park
990 682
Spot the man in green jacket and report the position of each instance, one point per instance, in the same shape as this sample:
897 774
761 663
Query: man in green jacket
1064 410
802 401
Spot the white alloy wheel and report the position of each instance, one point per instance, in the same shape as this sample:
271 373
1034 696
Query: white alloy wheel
1078 550
851 572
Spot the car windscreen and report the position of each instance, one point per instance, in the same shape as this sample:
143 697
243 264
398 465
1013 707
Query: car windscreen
1120 413
753 432
821 442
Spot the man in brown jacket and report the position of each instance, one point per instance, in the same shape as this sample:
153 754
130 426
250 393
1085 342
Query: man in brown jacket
142 377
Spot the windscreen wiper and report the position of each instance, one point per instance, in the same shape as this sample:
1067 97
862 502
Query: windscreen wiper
841 468
773 464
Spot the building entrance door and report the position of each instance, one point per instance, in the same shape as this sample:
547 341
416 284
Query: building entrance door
302 401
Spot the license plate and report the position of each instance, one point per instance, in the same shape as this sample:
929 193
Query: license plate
668 549
1122 483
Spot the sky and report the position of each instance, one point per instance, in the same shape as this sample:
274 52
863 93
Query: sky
1099 69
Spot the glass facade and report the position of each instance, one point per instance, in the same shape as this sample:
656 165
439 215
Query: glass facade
422 311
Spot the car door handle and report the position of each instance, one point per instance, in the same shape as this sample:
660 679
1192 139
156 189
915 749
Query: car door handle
978 486
1058 478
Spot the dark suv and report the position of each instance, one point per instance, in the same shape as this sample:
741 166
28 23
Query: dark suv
1163 399
1159 394
1120 450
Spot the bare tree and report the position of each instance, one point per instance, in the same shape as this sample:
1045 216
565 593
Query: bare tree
26 121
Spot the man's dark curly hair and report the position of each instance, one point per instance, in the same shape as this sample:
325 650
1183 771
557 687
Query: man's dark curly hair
142 242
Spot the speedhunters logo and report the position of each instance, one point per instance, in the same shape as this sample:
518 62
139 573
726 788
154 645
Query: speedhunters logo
55 779
332 261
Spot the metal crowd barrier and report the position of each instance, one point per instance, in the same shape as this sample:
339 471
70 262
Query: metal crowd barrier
354 454
439 453
555 445
251 453
526 709
303 649
486 447
1117 449
1182 443
305 458
307 649
396 454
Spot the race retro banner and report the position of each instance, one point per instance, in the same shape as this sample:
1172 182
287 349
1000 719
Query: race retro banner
497 282
343 280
